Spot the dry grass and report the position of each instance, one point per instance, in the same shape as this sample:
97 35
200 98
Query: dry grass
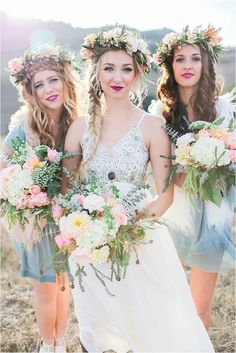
18 324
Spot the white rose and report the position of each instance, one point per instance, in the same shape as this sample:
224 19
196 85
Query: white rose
132 42
170 38
142 45
93 203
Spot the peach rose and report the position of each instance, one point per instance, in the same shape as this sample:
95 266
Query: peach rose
15 65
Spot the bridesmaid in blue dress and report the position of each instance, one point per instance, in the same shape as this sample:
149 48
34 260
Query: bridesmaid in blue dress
188 90
47 85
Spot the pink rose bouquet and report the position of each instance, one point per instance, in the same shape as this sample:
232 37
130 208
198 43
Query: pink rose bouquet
28 185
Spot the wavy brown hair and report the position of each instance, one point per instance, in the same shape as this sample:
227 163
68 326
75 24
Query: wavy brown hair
40 120
203 102
96 99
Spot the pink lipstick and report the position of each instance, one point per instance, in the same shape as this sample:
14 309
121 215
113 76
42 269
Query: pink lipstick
52 98
187 75
117 88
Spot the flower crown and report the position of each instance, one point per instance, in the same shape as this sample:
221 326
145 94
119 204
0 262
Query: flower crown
118 38
53 55
208 39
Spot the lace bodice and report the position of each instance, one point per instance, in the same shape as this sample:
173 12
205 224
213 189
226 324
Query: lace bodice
128 158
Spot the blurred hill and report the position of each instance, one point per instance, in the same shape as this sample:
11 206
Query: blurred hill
19 34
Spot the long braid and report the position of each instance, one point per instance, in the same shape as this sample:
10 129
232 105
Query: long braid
95 116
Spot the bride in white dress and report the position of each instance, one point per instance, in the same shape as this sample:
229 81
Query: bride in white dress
152 310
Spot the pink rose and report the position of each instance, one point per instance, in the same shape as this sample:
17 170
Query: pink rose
203 133
60 241
34 189
53 155
40 199
156 58
232 155
86 53
121 218
15 65
81 256
57 211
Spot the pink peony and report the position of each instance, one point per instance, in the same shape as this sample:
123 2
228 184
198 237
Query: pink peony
232 155
15 65
81 256
34 189
57 211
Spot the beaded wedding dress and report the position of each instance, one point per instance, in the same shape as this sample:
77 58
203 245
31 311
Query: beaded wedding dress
152 309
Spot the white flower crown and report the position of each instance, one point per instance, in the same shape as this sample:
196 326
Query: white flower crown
118 38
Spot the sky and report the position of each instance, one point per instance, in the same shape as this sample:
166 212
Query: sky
139 14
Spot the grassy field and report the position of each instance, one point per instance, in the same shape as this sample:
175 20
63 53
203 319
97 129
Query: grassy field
18 324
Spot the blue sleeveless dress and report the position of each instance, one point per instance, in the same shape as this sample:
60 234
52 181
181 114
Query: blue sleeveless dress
35 263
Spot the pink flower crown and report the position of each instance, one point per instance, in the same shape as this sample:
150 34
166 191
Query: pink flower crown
51 54
118 38
208 39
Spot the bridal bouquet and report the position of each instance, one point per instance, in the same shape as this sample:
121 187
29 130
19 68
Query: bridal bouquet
207 154
28 184
95 226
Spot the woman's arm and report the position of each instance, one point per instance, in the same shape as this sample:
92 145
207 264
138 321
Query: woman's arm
72 144
159 145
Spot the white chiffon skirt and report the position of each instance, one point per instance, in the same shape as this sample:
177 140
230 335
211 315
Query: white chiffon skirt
152 309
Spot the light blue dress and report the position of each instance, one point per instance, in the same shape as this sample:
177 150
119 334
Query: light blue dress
35 263
203 232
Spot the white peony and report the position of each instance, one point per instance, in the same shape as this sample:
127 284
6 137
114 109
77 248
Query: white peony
75 223
210 152
93 203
